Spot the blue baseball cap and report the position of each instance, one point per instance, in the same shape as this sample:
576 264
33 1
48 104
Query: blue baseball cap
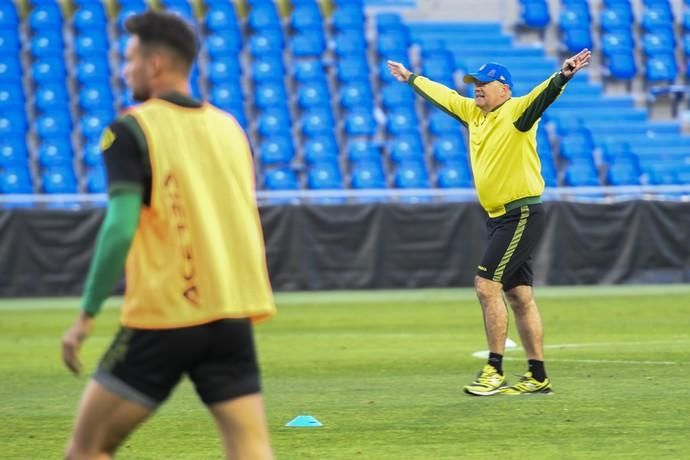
490 72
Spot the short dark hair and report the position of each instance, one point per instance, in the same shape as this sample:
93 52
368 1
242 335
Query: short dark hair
165 29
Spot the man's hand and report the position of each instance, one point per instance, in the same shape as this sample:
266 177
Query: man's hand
398 71
72 340
573 64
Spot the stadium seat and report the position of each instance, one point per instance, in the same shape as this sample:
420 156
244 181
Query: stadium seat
577 38
350 41
269 42
576 145
276 150
222 71
268 95
401 121
617 16
263 16
313 94
48 70
349 16
394 95
616 41
308 70
51 97
534 13
454 174
49 126
8 15
656 17
363 151
360 122
355 94
221 17
91 45
324 176
406 147
393 42
661 68
440 124
581 173
90 16
125 12
12 124
317 122
59 180
55 151
385 21
94 69
351 68
11 97
45 16
306 16
96 180
16 180
411 175
228 94
13 152
280 179
92 125
10 68
222 45
658 42
621 65
368 175
91 154
42 44
275 121
623 173
96 97
308 43
320 147
268 68
449 148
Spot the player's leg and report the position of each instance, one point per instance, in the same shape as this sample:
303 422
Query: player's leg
490 295
243 427
104 420
528 321
228 382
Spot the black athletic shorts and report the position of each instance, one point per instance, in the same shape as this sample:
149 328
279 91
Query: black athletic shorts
144 365
513 238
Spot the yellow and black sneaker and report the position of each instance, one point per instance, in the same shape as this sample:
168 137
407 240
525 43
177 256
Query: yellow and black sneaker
488 382
528 385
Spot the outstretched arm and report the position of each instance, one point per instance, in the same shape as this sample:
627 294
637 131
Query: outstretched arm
440 95
543 95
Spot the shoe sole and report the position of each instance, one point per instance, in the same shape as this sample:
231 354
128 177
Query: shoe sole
483 393
544 393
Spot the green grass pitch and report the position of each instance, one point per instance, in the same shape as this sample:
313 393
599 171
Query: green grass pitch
383 371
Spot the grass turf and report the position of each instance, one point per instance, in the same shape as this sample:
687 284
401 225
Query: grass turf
384 373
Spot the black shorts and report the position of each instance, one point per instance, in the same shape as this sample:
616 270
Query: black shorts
144 365
513 238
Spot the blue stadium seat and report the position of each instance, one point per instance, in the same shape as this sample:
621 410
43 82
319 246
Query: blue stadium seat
55 151
617 16
656 17
385 21
59 180
658 42
661 174
623 172
392 42
406 147
394 95
574 15
223 71
93 70
226 95
440 124
11 97
581 173
324 176
268 95
576 145
449 148
222 45
221 17
10 68
44 44
353 67
16 180
661 68
368 175
401 121
534 13
125 12
306 16
275 121
349 16
317 122
51 97
96 180
308 70
363 151
548 172
91 153
12 124
356 94
92 125
263 16
320 147
88 46
617 41
49 126
267 42
350 41
280 179
46 16
360 122
621 65
454 174
96 97
613 150
313 94
438 65
13 152
90 16
268 68
276 150
48 70
577 38
411 175
8 15
308 43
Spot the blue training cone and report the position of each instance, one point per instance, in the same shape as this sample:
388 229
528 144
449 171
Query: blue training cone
303 421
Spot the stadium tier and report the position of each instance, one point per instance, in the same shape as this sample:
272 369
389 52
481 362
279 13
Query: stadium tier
308 81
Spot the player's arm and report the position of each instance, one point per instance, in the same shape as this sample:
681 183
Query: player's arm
122 155
534 104
440 95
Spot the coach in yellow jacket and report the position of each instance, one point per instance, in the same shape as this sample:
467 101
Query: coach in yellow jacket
507 175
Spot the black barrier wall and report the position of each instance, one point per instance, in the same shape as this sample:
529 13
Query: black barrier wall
46 253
